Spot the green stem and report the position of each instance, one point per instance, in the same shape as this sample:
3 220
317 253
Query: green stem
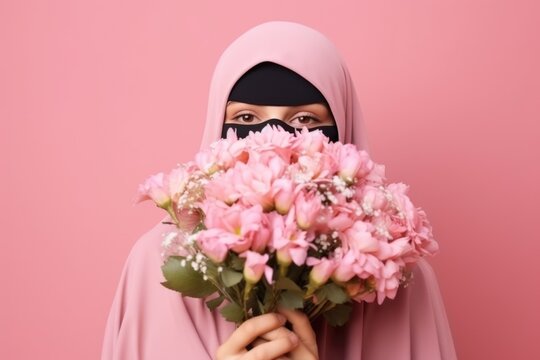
221 290
315 311
247 294
170 210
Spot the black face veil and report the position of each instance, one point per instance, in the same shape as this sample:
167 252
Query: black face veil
271 84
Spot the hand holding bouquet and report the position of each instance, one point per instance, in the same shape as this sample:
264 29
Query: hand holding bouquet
293 220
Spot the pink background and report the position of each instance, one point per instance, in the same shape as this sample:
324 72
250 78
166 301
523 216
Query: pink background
97 95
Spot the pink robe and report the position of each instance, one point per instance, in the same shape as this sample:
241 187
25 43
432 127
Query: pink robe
148 321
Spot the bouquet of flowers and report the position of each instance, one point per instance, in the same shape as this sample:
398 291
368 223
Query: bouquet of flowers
293 220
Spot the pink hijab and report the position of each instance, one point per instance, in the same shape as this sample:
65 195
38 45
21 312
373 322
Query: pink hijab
301 49
148 321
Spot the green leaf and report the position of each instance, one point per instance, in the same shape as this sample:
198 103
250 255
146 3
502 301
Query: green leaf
231 277
291 299
214 303
236 262
335 293
321 294
285 283
232 312
338 315
268 299
184 279
262 308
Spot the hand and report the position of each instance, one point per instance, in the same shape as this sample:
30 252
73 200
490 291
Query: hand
307 348
278 345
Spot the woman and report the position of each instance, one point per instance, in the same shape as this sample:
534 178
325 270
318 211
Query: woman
148 321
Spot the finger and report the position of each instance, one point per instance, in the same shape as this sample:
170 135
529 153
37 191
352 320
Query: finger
273 349
249 331
258 341
276 333
301 326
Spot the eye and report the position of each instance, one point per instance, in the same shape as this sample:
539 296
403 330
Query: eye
306 120
245 117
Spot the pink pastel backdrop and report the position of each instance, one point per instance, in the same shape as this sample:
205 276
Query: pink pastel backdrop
97 95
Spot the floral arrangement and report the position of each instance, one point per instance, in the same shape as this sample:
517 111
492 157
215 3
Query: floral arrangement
293 220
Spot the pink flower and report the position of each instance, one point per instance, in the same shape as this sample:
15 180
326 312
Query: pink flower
405 208
260 239
173 245
359 237
223 188
365 296
340 222
310 142
213 243
422 236
363 291
243 224
353 163
154 188
288 241
283 193
388 283
229 150
310 167
307 207
373 198
367 265
176 181
345 269
207 162
254 182
321 271
389 226
395 249
231 135
271 137
273 193
255 266
377 175
188 220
